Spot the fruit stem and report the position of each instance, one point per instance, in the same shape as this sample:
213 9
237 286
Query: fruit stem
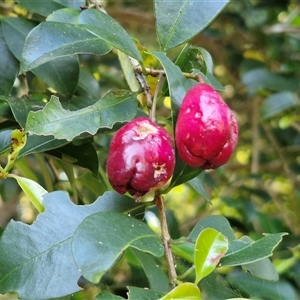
165 236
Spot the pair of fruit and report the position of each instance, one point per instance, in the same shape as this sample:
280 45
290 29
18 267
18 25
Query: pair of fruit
142 157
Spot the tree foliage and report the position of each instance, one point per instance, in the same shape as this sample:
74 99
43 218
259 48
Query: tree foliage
74 72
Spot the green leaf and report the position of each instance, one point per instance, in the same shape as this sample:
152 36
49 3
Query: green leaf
62 40
219 223
9 66
37 144
249 253
97 248
263 79
183 249
54 120
60 74
187 290
109 30
46 7
32 189
105 295
35 259
262 289
140 293
157 278
65 15
178 84
84 155
210 247
88 84
197 184
5 140
176 24
263 268
277 103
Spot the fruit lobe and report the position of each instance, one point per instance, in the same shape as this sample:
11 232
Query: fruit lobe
141 157
206 130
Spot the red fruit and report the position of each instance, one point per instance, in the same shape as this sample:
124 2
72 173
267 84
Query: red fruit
206 130
141 157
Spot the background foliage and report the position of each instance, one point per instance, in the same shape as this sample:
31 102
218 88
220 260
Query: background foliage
251 49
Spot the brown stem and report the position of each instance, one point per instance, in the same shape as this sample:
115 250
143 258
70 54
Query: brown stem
159 201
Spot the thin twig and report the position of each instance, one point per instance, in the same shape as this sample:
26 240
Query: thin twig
159 85
159 201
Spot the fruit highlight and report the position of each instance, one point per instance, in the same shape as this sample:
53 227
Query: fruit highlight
141 158
206 131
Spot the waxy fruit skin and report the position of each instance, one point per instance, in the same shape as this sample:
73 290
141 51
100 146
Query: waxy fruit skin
141 157
206 131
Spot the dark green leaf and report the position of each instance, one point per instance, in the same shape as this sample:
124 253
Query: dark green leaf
62 40
35 259
198 185
105 295
186 290
217 222
5 140
277 103
210 247
9 66
101 239
53 119
249 253
88 84
84 155
157 278
262 289
46 7
178 23
37 144
109 30
61 74
140 293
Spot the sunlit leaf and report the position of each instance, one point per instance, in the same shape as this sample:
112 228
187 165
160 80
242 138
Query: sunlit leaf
186 290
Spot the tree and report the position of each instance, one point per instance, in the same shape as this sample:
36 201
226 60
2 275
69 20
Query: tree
72 75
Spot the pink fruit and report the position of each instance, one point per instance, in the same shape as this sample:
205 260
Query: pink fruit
206 130
141 157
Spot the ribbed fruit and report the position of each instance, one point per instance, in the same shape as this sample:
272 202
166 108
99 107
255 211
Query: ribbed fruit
141 157
206 131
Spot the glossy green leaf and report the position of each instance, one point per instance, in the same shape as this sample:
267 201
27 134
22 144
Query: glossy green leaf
38 144
186 290
249 253
178 23
84 155
140 293
62 40
262 289
278 103
97 248
35 259
53 119
183 249
219 223
61 74
46 7
32 189
5 140
157 278
263 268
65 15
109 30
210 247
197 184
9 66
